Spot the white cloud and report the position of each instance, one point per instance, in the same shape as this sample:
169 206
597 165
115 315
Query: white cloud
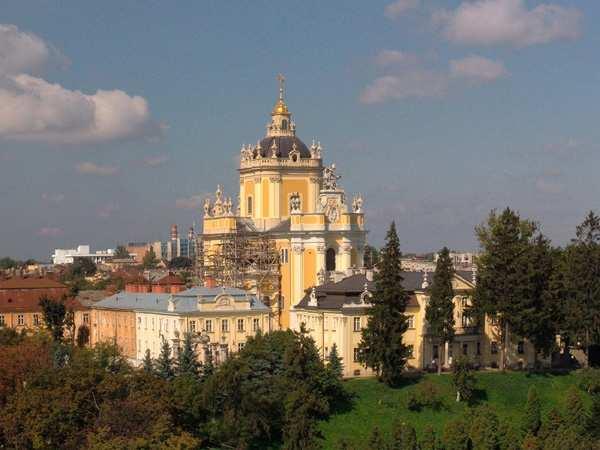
477 68
33 109
49 231
156 160
400 7
493 22
95 169
387 58
192 202
419 83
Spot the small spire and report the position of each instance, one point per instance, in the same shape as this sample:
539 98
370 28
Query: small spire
281 80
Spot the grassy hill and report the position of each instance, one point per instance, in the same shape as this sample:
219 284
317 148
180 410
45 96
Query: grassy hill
375 404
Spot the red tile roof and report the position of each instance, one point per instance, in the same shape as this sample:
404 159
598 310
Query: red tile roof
30 283
170 279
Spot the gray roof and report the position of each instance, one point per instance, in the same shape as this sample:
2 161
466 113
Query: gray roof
185 301
284 146
333 295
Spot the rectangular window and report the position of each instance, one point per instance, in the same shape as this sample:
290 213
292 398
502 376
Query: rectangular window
465 349
284 256
478 348
494 348
356 353
192 326
411 322
465 321
357 324
208 326
436 351
36 320
139 321
224 325
255 325
520 347
86 318
240 325
20 319
411 350
249 206
240 346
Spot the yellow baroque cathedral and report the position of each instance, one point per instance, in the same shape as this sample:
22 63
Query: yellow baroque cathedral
288 196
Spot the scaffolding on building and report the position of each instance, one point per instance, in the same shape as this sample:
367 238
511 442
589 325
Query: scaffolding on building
245 260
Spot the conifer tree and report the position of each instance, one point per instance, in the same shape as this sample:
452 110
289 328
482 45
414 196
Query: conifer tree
456 435
335 362
463 379
187 363
404 437
594 419
533 412
439 312
502 282
582 283
150 260
147 362
382 347
208 367
164 363
429 440
376 440
484 429
576 416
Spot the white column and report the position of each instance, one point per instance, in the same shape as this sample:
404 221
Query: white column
297 272
346 259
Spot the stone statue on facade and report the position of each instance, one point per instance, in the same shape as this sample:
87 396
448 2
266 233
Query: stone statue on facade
330 178
295 202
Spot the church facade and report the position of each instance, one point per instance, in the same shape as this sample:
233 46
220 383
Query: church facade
288 194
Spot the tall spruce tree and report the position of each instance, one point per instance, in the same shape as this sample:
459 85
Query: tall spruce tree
532 420
439 312
582 283
164 363
503 282
335 362
147 362
187 362
381 347
54 313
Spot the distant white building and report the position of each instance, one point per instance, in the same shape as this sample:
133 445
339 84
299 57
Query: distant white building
68 256
460 259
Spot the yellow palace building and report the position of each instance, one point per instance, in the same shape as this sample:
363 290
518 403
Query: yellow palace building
288 195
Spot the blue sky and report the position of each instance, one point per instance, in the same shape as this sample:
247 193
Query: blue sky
116 118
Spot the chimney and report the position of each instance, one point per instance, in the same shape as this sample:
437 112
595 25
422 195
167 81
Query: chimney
210 282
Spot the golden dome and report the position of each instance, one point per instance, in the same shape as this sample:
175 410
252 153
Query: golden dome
280 108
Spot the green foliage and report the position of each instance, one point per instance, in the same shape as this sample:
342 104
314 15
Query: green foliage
83 336
463 379
83 267
335 365
150 260
147 362
532 419
582 283
54 313
371 257
121 252
10 336
187 363
404 437
514 284
483 429
590 380
381 347
439 312
164 362
376 439
593 425
429 441
8 263
180 262
456 435
576 415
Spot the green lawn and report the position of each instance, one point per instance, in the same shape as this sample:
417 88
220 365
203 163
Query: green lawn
377 405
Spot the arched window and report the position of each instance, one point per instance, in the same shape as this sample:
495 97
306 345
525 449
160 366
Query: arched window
330 259
284 124
249 206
